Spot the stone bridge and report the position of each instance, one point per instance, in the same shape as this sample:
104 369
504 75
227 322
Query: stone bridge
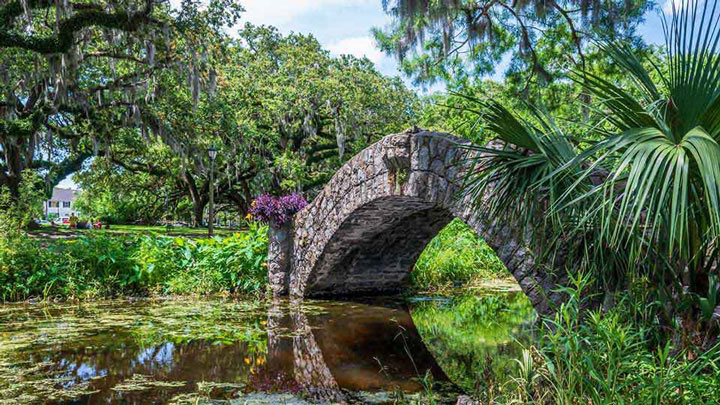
365 230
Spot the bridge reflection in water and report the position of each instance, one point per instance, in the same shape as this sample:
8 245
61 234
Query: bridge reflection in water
353 347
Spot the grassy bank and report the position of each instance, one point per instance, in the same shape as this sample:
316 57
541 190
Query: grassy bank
100 264
613 356
456 259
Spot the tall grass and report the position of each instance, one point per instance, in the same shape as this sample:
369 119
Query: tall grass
608 357
456 257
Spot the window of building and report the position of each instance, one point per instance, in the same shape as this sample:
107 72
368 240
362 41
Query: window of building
54 204
66 204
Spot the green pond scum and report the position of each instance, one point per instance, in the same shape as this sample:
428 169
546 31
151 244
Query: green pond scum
188 351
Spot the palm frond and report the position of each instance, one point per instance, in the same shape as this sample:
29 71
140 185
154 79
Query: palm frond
692 37
625 111
514 182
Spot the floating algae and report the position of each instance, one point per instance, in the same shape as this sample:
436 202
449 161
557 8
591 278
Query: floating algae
211 388
139 382
48 351
24 383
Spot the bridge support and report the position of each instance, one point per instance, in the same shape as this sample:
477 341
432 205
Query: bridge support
280 258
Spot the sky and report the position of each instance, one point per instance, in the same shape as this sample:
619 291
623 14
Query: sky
343 27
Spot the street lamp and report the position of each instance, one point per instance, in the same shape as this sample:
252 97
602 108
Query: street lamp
212 152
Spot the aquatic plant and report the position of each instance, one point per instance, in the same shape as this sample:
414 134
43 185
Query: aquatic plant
604 357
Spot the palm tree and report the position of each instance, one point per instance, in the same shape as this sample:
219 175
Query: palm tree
645 195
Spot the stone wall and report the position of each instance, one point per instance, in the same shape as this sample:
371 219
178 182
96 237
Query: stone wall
365 230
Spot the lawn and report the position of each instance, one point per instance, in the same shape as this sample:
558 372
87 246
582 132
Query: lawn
63 232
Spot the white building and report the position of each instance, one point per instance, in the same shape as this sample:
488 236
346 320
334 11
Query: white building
62 203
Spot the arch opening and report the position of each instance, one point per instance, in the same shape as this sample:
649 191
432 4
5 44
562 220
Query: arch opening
375 249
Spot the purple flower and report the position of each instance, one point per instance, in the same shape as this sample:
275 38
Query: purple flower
293 203
276 211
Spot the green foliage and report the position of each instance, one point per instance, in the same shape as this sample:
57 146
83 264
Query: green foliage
120 197
604 358
283 113
450 40
185 266
103 265
91 266
62 96
20 211
456 257
636 194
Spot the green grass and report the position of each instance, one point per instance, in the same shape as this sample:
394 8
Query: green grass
456 258
63 232
608 357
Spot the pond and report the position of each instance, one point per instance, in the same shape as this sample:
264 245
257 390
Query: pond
372 350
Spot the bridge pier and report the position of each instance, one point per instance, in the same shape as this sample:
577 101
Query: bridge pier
280 258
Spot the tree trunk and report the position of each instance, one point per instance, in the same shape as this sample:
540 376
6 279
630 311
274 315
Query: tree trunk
198 199
14 164
198 211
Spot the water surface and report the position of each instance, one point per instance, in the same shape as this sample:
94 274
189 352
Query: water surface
189 350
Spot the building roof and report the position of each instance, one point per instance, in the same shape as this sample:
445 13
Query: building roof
64 194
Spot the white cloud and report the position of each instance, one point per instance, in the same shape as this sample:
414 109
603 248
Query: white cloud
359 47
278 12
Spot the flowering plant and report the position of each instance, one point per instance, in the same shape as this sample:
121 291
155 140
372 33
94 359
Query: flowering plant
276 211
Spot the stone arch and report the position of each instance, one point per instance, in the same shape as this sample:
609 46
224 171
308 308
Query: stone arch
365 230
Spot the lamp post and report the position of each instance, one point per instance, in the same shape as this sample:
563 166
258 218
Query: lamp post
212 152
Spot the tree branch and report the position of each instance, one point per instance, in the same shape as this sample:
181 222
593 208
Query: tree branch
61 43
114 55
573 32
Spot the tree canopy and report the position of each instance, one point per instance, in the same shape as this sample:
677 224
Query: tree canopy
282 112
73 72
450 40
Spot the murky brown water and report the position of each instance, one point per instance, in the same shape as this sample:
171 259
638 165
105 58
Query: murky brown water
189 351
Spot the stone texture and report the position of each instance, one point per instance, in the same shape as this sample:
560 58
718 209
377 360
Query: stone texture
364 232
279 258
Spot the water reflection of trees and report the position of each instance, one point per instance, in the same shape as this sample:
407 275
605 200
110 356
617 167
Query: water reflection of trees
476 338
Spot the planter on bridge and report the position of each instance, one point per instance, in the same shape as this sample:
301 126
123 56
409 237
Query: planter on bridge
278 213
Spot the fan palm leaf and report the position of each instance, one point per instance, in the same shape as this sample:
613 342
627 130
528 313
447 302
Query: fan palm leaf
651 185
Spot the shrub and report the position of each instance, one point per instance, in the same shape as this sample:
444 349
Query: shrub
235 264
95 265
